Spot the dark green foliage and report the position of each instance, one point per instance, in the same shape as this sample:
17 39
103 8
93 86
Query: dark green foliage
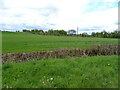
49 32
57 32
25 30
71 32
104 34
84 34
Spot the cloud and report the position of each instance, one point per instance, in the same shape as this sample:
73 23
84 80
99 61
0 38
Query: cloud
59 14
47 11
20 27
100 6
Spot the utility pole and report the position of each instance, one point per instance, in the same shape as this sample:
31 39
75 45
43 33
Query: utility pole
77 31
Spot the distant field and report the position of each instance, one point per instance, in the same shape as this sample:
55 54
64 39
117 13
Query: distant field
26 42
90 72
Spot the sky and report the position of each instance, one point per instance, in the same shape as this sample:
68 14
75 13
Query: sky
88 15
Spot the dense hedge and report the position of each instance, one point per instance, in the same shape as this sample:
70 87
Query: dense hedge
108 49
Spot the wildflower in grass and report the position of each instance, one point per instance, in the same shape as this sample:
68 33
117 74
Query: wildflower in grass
51 78
43 82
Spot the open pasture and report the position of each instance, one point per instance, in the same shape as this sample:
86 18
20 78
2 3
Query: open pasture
90 72
13 42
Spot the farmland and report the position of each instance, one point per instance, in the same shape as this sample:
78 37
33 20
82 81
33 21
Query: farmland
77 72
27 42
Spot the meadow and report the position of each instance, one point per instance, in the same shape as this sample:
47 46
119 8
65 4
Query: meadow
77 72
13 42
90 72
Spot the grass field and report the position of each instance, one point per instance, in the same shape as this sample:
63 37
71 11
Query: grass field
27 42
90 72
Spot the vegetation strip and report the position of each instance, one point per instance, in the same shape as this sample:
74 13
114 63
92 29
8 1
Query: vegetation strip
108 49
72 32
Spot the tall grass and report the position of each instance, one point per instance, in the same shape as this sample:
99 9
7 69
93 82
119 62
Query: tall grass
89 72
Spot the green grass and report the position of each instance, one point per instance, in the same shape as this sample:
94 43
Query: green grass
90 72
26 42
0 76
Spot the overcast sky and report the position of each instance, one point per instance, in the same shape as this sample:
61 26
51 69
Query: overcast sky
88 15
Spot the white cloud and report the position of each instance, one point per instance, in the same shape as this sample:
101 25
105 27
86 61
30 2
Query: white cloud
110 0
57 14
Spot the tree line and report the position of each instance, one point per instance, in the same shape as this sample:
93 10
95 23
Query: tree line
102 34
49 32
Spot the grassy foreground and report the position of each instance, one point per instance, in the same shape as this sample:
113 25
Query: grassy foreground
27 42
90 72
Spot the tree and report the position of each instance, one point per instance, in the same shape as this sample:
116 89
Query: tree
56 32
93 34
84 34
40 32
104 34
18 31
72 31
25 30
116 34
50 32
62 32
